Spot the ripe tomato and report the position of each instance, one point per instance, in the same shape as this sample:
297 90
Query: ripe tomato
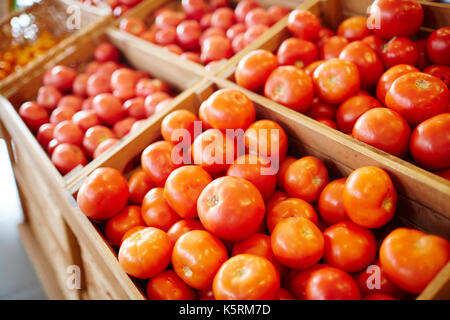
45 134
253 33
223 18
329 283
103 194
291 87
297 52
268 139
188 34
145 253
441 72
336 80
369 197
234 30
152 101
194 9
304 24
430 143
312 67
354 28
399 51
183 187
48 97
411 258
98 83
168 286
70 101
351 109
105 145
227 109
205 21
349 247
375 42
258 16
135 108
67 156
169 18
166 36
284 165
254 69
210 32
94 136
124 78
297 243
418 96
391 18
156 212
68 132
300 279
190 262
237 45
33 115
422 61
305 178
132 25
388 78
277 12
320 109
369 65
183 226
117 226
215 48
61 114
332 47
130 232
158 161
283 294
257 170
331 208
85 119
108 108
174 125
61 77
243 7
146 87
139 184
105 52
231 208
438 47
276 198
122 127
246 277
384 129
291 207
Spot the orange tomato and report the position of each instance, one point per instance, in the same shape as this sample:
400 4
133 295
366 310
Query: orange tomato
168 286
183 226
117 226
291 207
138 185
282 171
158 162
156 212
177 124
254 69
331 208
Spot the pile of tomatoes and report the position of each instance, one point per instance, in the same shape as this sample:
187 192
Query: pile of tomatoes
375 84
217 226
76 117
118 7
206 33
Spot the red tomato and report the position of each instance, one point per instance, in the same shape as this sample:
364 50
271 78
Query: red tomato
234 30
412 258
146 87
33 115
291 207
332 47
391 18
351 109
297 243
300 279
45 134
117 226
246 277
135 108
70 101
258 16
67 156
79 86
48 97
388 78
253 33
152 101
210 32
277 13
305 178
422 61
243 7
59 114
231 208
158 162
166 36
178 126
375 42
190 262
103 194
108 108
254 69
94 136
237 44
205 21
122 127
418 96
145 253
183 226
188 34
215 48
223 18
369 197
331 208
124 78
98 83
139 184
132 25
430 143
105 145
68 132
194 9
61 77
297 52
320 109
304 24
312 67
284 165
441 72
399 51
438 47
354 28
168 286
283 294
291 87
105 52
156 211
328 122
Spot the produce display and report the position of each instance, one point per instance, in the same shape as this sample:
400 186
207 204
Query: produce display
118 7
274 226
206 32
386 86
76 116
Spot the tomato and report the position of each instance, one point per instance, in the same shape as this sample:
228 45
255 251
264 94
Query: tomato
374 281
336 80
215 48
98 83
91 68
291 87
67 156
417 97
430 143
45 134
183 187
156 211
227 109
422 61
130 232
384 129
234 30
291 207
297 52
194 9
214 151
169 18
105 145
117 226
329 283
276 198
246 277
277 12
304 24
305 178
438 47
331 208
354 28
283 294
399 51
145 253
253 33
166 36
190 262
215 4
168 286
105 51
254 69
79 86
61 77
68 132
369 65
312 67
205 21
59 114
33 115
324 34
188 34
351 110
108 108
183 226
375 42
135 108
258 16
320 109
210 32
243 7
284 165
391 18
152 101
179 125
441 72
132 25
299 280
146 87
48 97
94 136
139 184
107 68
157 161
223 18
332 47
124 78
122 127
369 197
231 208
388 78
70 101
103 194
297 243
51 146
412 258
